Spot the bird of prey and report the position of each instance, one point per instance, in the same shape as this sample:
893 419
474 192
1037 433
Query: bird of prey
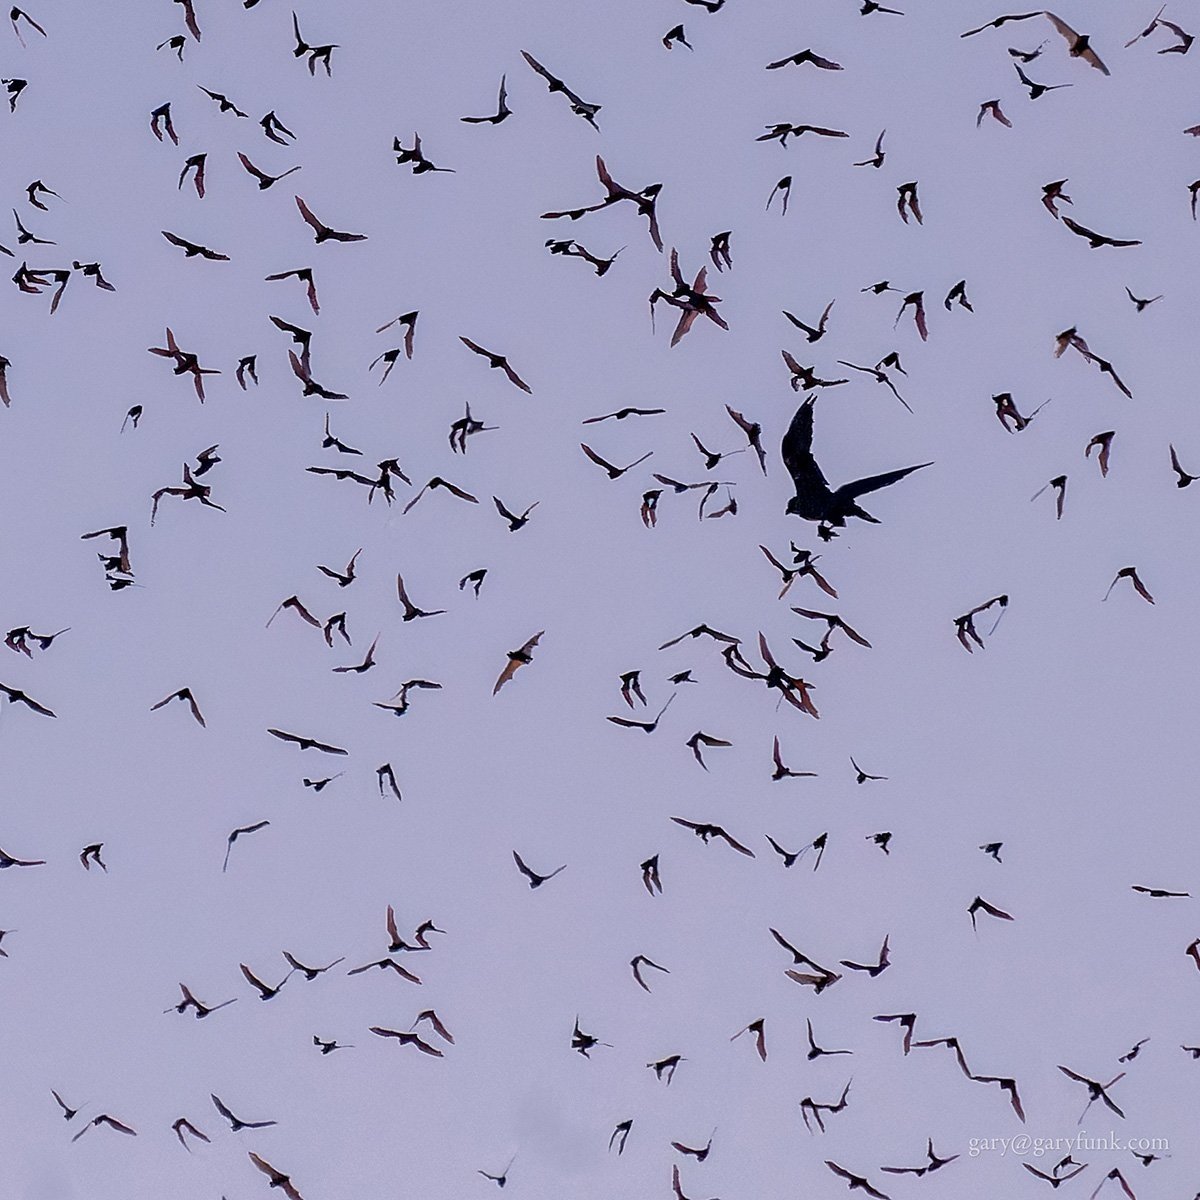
814 499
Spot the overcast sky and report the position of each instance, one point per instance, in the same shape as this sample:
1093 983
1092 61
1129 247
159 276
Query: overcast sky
1069 738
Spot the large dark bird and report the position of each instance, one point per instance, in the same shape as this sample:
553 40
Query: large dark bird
814 499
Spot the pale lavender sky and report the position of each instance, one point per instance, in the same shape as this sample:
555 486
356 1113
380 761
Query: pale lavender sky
1070 738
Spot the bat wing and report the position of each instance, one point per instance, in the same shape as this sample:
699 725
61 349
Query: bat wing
307 214
509 671
735 844
537 66
517 380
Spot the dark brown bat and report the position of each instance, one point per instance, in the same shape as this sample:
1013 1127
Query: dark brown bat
265 180
183 694
502 109
306 743
535 880
438 482
758 1028
802 57
105 1119
855 1181
497 361
278 1178
16 696
1131 574
875 968
1183 477
408 1039
517 659
322 232
1094 239
580 107
644 726
265 990
979 903
783 772
705 831
233 837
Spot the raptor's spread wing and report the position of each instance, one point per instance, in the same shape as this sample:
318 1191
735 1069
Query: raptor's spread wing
860 487
812 488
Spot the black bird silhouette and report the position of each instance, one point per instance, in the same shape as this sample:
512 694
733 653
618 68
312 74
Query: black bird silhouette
265 180
814 499
236 1123
675 36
